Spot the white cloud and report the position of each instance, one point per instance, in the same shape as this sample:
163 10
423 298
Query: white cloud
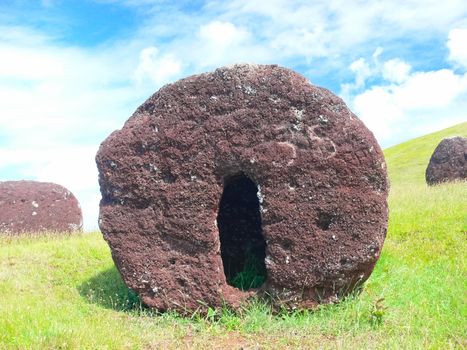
22 63
222 34
303 41
457 44
219 43
396 70
422 102
430 90
340 25
377 109
156 68
282 31
362 71
13 34
397 102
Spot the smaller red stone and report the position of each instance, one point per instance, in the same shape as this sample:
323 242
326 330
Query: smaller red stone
31 206
448 162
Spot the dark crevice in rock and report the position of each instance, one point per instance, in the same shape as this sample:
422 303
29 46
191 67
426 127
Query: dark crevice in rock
168 177
239 222
133 203
287 244
325 220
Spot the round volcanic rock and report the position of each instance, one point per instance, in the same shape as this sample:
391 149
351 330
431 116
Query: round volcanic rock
247 168
448 162
31 206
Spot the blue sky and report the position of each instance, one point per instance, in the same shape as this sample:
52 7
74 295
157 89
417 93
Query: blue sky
71 72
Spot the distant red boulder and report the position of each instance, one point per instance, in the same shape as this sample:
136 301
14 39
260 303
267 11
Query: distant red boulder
448 162
31 206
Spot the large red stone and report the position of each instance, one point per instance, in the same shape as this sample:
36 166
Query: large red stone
448 162
31 206
282 168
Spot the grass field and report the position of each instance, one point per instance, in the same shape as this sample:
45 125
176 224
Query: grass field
64 291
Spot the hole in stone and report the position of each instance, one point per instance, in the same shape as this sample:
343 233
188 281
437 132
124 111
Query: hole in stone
168 177
324 220
287 244
181 282
243 248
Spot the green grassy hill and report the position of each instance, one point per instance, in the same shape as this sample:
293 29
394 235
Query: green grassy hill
64 292
407 161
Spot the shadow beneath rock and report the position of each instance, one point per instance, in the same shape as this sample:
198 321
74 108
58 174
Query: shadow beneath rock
108 290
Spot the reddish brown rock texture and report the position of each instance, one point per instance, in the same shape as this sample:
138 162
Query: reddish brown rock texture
31 206
448 162
282 168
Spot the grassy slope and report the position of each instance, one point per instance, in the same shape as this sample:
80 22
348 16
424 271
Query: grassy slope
65 292
407 161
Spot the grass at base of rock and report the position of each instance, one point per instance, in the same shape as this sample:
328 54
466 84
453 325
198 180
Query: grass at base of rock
253 274
63 292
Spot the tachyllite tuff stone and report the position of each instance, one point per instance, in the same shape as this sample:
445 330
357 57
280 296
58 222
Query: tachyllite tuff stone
31 206
448 162
249 163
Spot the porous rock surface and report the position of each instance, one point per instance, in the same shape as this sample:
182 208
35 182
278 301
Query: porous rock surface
320 176
32 206
448 162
